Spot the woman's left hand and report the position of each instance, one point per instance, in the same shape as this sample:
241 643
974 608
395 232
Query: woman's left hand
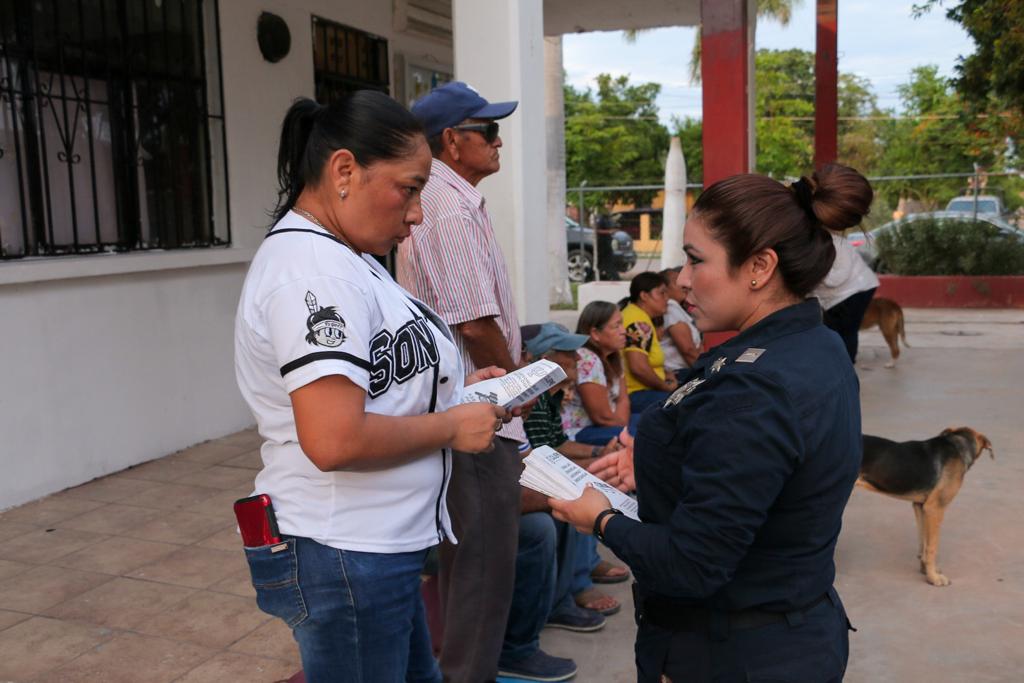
615 468
490 372
581 512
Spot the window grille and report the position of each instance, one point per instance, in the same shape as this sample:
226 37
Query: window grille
111 127
347 59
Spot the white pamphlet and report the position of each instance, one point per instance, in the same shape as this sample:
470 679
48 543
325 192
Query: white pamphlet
517 387
556 476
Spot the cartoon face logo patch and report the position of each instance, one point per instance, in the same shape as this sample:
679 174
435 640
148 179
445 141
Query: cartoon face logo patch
326 327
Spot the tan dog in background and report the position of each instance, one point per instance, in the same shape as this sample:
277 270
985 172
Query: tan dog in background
888 315
927 473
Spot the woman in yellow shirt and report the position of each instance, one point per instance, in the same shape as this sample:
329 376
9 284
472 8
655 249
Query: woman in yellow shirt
646 381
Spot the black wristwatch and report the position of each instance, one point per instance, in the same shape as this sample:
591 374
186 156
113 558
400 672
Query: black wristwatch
600 518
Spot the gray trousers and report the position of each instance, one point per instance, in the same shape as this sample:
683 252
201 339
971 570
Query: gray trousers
478 575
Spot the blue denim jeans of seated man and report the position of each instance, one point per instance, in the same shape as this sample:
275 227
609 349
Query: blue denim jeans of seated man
544 571
586 558
357 617
639 401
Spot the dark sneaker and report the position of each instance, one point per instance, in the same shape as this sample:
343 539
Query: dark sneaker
573 618
539 666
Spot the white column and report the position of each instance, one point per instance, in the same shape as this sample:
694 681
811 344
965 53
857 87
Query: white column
674 214
554 118
499 50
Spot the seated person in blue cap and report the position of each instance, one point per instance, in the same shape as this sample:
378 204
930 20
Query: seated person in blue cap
553 586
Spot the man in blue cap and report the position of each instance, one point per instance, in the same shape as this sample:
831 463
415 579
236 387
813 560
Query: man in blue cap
453 263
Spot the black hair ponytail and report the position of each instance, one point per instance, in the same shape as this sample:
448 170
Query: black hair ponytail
367 123
295 131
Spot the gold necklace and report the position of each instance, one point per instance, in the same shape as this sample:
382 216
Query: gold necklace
313 219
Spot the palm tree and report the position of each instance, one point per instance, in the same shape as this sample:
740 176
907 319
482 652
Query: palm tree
776 10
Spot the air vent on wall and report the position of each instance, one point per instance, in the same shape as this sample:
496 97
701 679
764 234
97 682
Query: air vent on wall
425 18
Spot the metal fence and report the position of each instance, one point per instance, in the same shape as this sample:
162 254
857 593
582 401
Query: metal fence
895 196
111 127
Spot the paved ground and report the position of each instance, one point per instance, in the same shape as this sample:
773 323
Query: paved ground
137 577
964 368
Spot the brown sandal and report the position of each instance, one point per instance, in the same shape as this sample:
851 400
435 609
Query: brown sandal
595 600
606 572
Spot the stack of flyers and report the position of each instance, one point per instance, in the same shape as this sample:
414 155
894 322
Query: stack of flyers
518 387
551 473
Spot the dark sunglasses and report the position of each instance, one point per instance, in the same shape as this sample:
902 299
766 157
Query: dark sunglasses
488 130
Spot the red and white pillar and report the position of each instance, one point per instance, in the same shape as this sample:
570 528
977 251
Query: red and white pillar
826 84
727 75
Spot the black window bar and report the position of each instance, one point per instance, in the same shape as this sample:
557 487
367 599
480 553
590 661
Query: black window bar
111 127
347 59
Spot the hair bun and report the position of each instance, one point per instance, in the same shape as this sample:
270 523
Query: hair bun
840 196
803 189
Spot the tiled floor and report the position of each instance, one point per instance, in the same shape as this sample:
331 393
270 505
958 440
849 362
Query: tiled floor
139 577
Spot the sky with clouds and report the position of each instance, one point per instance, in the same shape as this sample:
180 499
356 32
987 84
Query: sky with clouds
878 39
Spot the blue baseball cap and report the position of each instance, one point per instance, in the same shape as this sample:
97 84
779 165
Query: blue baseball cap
553 337
453 103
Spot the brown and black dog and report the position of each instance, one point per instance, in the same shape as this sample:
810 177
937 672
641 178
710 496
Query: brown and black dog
928 474
888 315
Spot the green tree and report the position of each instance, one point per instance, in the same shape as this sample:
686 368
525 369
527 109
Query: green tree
785 115
784 110
690 133
613 137
936 133
992 77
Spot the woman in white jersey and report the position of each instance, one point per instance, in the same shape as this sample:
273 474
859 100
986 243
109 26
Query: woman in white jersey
355 387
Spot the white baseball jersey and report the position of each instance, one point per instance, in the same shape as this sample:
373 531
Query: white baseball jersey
312 307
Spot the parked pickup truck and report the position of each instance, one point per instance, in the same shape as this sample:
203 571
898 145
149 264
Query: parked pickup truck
988 205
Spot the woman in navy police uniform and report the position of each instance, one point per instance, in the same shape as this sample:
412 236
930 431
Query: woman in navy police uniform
743 473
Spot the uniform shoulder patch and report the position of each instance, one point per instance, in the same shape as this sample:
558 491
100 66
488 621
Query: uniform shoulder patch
750 355
683 391
325 327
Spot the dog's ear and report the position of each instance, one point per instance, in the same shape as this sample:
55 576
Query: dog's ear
949 430
986 445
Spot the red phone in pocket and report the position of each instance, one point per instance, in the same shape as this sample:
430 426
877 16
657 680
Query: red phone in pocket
256 521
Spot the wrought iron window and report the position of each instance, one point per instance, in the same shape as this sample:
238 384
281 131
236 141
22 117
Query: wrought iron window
111 127
347 59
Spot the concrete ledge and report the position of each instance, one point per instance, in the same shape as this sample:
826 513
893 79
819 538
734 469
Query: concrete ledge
953 291
42 269
601 291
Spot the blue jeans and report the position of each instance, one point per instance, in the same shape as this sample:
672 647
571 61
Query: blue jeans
640 400
356 616
544 572
584 562
599 436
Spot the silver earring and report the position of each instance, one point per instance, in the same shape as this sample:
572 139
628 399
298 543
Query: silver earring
343 194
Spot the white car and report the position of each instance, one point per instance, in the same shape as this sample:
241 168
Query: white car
988 205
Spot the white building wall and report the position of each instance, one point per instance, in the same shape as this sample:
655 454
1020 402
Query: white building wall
112 360
499 50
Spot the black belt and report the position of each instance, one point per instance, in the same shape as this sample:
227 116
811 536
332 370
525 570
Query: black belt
675 617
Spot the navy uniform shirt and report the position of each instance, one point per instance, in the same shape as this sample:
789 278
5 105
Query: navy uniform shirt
743 475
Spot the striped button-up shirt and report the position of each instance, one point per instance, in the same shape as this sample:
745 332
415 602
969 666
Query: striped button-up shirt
452 262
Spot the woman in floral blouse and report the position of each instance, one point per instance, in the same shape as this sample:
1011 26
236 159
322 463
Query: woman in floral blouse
597 409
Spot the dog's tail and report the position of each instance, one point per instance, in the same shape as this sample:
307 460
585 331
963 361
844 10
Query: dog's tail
903 333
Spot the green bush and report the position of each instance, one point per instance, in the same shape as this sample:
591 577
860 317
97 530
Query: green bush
944 246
